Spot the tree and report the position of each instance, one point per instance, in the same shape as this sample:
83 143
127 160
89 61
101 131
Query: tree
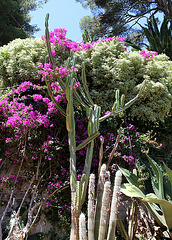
15 19
103 24
116 14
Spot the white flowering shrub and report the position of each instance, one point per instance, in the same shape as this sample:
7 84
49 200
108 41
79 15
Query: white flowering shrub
19 60
109 67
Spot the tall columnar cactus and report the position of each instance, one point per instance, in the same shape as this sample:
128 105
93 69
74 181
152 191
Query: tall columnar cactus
102 226
82 96
104 210
91 207
82 227
114 206
103 177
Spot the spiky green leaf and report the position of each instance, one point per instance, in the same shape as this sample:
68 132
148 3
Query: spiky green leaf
156 177
133 179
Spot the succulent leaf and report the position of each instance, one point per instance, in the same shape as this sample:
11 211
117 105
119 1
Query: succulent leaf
133 179
169 172
157 183
132 191
165 205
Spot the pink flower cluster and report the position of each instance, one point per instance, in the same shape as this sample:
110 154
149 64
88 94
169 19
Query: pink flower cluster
6 179
58 37
25 86
129 159
47 72
21 117
148 55
76 85
18 114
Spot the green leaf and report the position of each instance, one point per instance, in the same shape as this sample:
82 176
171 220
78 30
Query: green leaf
155 26
150 196
169 172
156 213
166 207
132 191
133 179
157 183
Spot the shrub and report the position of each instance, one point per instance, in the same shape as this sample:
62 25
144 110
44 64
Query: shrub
19 60
109 66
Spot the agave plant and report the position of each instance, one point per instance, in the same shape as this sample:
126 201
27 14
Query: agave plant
159 39
159 202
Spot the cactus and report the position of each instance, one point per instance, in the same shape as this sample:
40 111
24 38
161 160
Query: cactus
104 210
114 206
91 209
82 96
162 186
82 227
104 175
100 226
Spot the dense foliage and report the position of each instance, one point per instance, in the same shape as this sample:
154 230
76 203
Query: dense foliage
19 61
109 66
15 19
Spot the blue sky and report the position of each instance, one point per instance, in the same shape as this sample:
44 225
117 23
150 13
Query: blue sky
63 14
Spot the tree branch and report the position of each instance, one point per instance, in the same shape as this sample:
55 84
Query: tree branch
132 17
